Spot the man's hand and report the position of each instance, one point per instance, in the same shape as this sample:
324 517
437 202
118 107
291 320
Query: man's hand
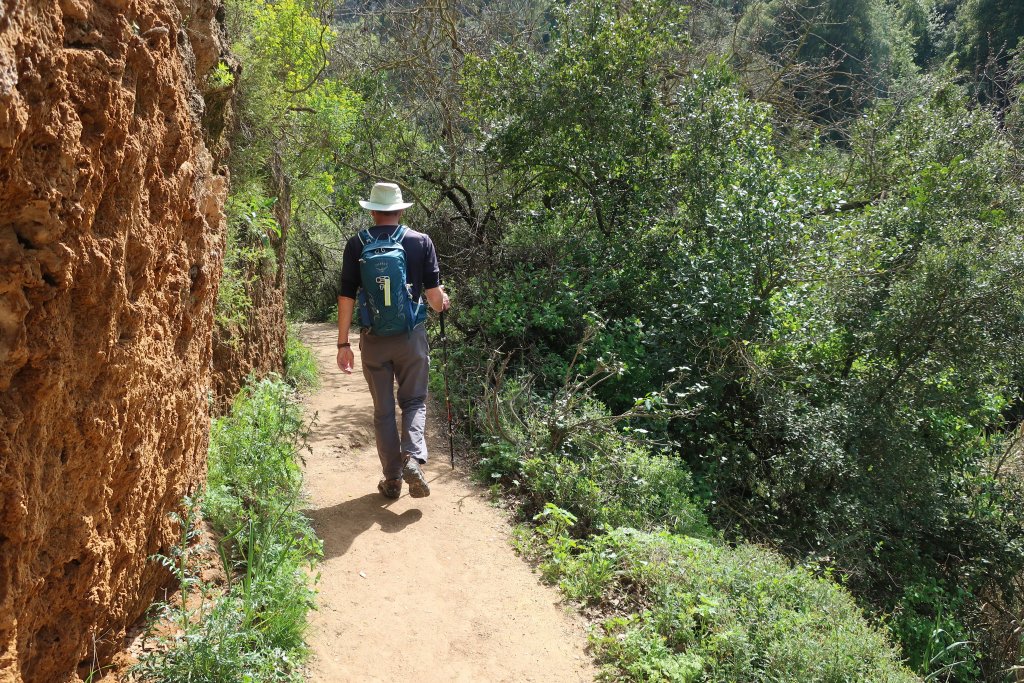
438 299
346 359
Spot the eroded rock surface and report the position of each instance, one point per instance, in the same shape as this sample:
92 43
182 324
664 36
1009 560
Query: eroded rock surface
111 240
257 347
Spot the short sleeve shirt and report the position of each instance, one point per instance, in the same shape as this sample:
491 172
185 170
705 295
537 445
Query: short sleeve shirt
421 267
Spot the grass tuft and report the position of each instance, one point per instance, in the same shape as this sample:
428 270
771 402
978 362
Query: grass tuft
300 366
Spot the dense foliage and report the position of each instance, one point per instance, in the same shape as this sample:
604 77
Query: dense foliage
300 366
292 117
672 602
762 262
682 609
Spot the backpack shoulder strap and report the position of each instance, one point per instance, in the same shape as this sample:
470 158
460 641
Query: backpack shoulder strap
365 237
399 234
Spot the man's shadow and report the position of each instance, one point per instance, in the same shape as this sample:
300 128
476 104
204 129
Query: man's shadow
340 524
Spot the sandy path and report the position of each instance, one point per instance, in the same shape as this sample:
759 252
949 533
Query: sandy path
418 590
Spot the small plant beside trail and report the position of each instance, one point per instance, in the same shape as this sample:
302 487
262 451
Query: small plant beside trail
300 368
567 449
678 607
252 630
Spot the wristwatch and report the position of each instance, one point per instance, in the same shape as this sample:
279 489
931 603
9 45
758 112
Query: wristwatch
342 345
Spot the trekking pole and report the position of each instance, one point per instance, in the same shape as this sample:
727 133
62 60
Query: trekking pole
447 400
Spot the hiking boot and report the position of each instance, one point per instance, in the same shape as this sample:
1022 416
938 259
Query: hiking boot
390 488
413 476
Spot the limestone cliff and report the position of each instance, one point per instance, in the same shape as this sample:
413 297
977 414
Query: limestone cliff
111 240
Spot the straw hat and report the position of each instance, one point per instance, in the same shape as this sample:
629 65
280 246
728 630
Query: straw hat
385 197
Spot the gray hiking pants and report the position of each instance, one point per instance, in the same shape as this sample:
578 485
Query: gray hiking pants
403 357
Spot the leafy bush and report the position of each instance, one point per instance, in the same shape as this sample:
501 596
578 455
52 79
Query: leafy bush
251 225
253 468
253 630
300 366
570 451
627 487
685 609
233 301
930 621
220 77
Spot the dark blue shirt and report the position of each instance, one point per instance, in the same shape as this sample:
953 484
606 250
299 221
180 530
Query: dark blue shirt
421 267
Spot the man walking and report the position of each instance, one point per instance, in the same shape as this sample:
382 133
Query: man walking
393 336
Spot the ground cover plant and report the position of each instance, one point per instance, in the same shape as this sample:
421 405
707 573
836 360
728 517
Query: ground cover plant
252 629
300 367
678 608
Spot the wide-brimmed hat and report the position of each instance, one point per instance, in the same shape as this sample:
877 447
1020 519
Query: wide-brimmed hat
385 197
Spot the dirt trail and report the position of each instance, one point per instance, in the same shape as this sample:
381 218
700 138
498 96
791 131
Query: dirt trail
426 589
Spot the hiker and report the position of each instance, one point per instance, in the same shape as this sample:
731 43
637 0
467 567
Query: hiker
390 269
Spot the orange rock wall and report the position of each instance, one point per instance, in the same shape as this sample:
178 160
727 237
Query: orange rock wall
111 240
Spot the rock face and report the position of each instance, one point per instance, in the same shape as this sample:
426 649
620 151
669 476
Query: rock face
111 240
257 348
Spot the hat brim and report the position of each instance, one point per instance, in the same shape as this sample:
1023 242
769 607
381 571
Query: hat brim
373 206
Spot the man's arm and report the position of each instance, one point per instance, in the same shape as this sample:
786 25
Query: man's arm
432 287
346 359
436 297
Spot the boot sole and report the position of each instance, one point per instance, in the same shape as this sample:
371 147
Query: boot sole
382 489
418 487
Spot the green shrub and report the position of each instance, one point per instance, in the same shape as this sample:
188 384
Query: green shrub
253 455
252 630
248 252
629 486
220 78
300 366
223 647
570 451
929 621
233 301
686 609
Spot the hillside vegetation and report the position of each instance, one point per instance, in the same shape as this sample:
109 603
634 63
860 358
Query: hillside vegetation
738 300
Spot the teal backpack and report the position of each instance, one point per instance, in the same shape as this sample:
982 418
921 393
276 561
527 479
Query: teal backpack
385 300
